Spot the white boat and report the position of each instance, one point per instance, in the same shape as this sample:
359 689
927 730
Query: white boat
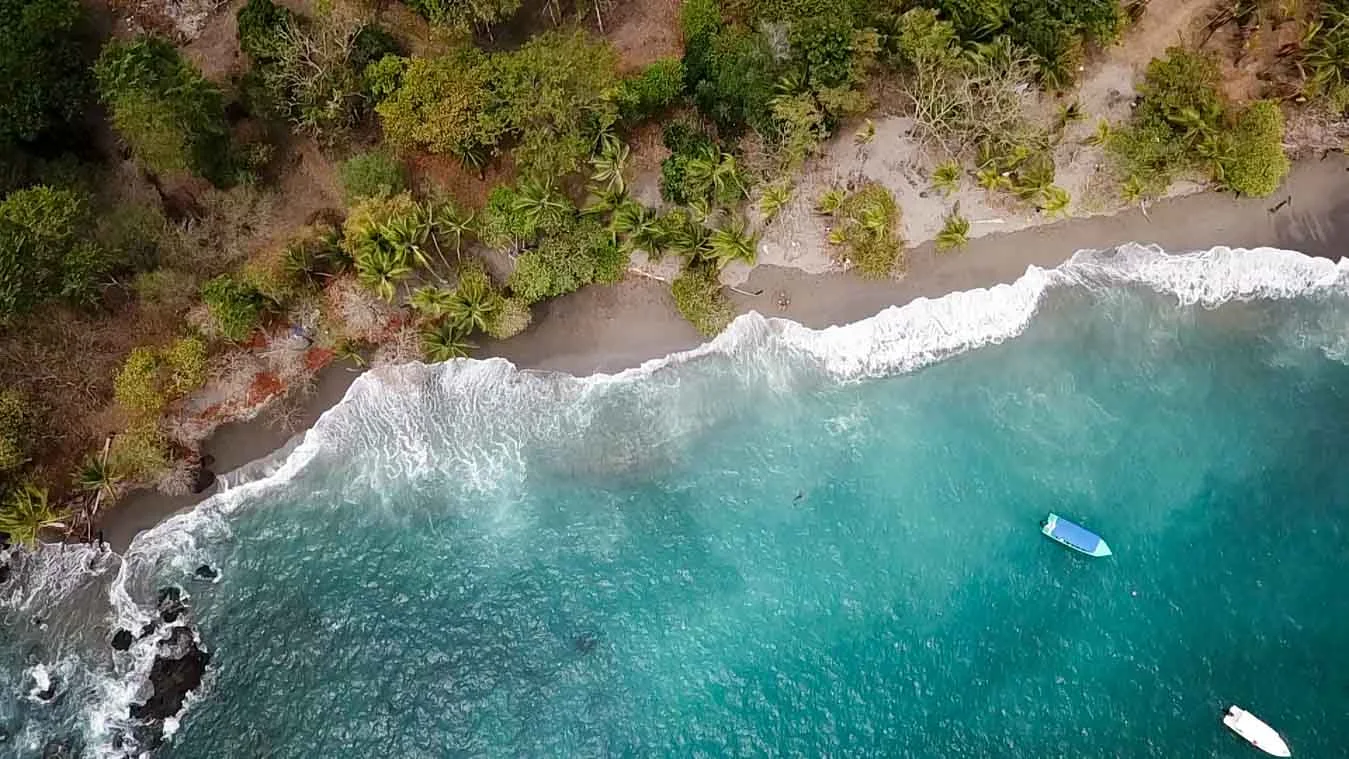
1255 731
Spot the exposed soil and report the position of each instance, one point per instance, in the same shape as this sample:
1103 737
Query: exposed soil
644 31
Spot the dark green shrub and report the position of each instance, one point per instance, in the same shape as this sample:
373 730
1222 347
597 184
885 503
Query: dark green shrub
236 306
16 429
731 76
700 299
44 72
167 112
1052 30
1257 164
371 175
866 224
1325 56
45 251
653 90
685 143
552 94
566 260
260 25
465 15
371 44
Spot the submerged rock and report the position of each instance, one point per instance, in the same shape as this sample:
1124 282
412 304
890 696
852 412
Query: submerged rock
205 572
122 640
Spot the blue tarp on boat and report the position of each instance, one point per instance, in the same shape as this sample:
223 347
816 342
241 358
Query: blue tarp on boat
1076 536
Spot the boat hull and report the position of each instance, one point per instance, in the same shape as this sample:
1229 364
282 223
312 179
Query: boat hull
1255 731
1074 536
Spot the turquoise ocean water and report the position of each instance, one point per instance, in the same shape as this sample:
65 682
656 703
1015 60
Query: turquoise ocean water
788 543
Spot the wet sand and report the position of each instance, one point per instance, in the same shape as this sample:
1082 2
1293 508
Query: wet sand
610 328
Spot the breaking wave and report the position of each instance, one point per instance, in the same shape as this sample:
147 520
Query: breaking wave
493 424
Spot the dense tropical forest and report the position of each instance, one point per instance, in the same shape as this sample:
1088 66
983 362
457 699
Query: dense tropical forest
161 253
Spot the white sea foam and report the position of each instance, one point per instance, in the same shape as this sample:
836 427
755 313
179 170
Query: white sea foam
405 421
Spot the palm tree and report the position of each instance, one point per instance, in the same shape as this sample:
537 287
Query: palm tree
444 341
683 235
432 302
472 305
955 232
831 201
380 266
946 178
541 204
1102 134
26 513
1055 201
604 202
714 174
775 197
992 178
732 242
866 134
639 228
99 476
409 233
609 166
445 218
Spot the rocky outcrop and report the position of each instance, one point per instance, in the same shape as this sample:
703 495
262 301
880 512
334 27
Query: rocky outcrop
178 668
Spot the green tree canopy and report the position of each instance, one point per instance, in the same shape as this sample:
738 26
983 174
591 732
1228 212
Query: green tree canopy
44 73
170 115
44 250
443 105
553 93
466 14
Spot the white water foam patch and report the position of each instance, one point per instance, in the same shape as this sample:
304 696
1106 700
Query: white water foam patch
480 418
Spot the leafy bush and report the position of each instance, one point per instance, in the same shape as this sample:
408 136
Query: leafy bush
865 222
151 377
685 143
138 387
1183 123
955 232
140 453
700 299
464 15
309 75
236 306
372 44
510 319
44 252
566 260
653 90
167 112
372 175
41 63
1053 30
1325 55
260 27
16 429
731 76
185 361
442 105
553 97
1257 164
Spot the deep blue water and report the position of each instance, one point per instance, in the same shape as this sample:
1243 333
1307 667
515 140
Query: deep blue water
743 554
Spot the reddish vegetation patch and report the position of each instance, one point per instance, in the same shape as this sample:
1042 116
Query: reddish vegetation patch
211 412
317 358
643 31
442 173
265 385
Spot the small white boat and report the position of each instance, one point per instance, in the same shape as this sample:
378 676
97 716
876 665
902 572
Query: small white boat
1074 535
1256 732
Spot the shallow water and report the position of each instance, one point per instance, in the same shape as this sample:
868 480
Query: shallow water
745 553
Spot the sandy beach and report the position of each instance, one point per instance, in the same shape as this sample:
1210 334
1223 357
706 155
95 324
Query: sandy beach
610 328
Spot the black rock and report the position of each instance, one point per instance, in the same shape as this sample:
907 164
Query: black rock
204 479
205 572
171 605
147 629
4 573
121 640
173 678
56 750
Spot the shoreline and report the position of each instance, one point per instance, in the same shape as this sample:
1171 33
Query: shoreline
608 328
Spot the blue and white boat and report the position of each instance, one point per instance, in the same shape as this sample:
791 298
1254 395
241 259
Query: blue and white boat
1073 535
